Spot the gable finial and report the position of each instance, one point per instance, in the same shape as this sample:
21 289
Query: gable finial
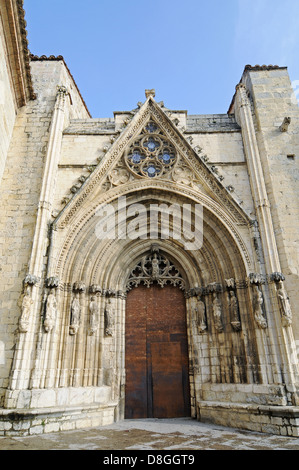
151 92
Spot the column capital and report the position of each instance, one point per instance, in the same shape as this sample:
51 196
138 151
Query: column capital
62 90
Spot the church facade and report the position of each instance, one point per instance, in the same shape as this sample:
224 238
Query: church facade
149 262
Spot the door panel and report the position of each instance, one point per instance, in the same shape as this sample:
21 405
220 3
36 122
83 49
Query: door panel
156 354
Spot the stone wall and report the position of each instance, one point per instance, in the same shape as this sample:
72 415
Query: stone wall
20 194
62 164
8 107
273 100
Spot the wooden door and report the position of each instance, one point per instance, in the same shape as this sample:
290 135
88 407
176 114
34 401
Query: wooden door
157 383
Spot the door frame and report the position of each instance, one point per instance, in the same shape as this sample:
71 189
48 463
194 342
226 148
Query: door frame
185 365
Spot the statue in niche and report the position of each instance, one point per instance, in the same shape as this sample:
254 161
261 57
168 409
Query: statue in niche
217 313
27 303
75 315
285 308
258 302
201 316
51 312
234 310
94 315
109 319
155 267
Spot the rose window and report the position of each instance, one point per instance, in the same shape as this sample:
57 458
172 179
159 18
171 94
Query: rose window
152 154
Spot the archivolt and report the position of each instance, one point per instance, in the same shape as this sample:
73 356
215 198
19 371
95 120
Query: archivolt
80 243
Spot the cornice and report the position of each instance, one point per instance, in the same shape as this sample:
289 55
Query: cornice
14 24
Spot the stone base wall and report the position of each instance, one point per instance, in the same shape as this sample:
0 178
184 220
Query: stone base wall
41 411
41 421
44 398
278 420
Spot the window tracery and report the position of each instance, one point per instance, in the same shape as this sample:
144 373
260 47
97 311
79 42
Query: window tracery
151 155
155 268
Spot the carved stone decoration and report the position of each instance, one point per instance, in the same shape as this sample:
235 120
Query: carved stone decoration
75 315
183 175
95 289
51 312
258 302
201 316
152 268
284 305
52 282
27 303
93 316
233 304
214 287
230 283
119 175
30 280
256 279
79 287
151 155
109 319
217 313
234 310
62 90
194 292
277 277
151 92
285 124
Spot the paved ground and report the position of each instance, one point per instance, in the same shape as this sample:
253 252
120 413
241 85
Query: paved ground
152 435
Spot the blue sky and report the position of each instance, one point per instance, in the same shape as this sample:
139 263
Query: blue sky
193 52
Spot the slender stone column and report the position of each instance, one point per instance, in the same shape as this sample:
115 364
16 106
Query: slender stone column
23 357
282 339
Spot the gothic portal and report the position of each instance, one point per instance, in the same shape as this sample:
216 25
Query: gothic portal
149 261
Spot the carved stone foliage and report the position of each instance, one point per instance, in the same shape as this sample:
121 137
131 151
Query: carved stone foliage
31 280
52 282
155 267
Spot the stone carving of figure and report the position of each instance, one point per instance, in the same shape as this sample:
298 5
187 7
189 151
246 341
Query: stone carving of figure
155 267
201 316
234 311
75 315
258 308
94 315
285 308
109 319
51 311
26 311
217 313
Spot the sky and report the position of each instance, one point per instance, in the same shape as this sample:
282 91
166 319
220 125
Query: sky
192 52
